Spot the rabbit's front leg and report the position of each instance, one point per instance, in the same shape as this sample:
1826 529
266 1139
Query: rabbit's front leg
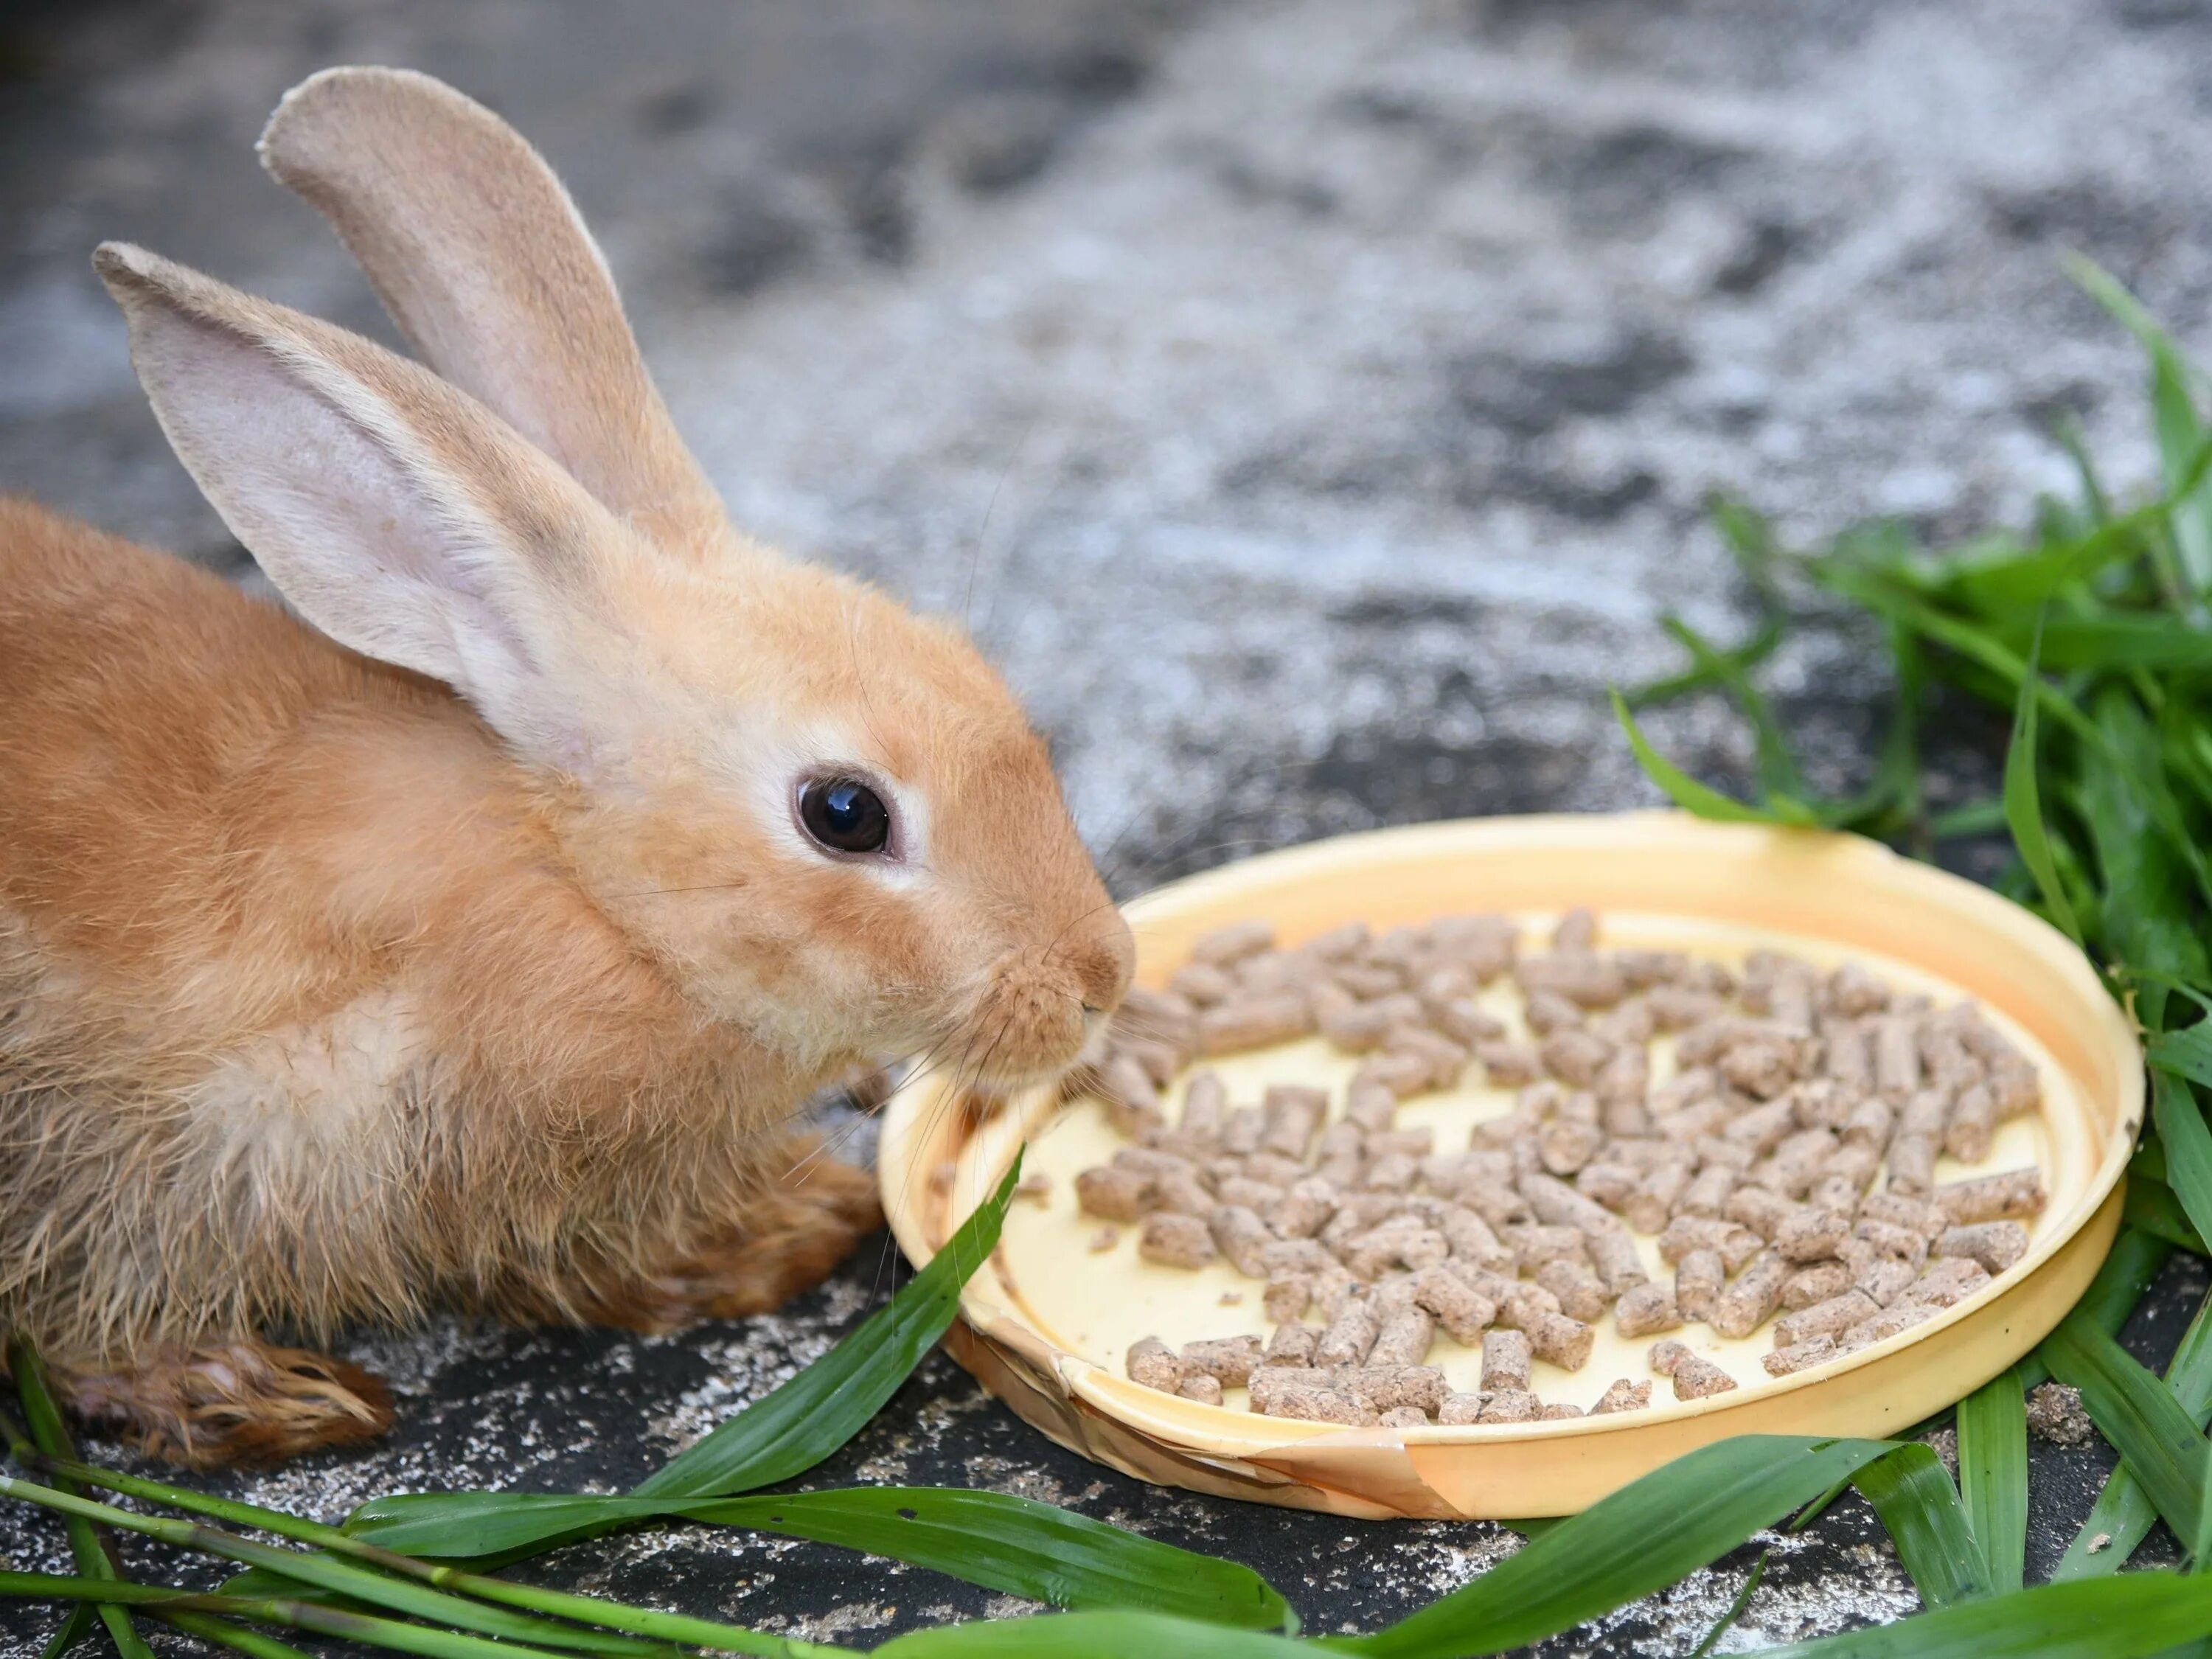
232 1400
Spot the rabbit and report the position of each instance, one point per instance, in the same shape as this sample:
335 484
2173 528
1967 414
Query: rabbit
470 938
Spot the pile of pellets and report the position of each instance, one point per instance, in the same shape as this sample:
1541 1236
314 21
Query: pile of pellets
1755 1163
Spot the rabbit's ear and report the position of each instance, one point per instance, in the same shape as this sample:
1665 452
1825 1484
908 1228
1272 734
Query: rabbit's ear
482 259
399 516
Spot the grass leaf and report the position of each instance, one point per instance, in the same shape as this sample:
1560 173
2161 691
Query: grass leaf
2173 414
2151 1206
1019 1545
50 1435
1641 1538
1912 1493
1992 1427
2023 802
2144 1614
1090 1635
2147 1424
2188 1143
1686 793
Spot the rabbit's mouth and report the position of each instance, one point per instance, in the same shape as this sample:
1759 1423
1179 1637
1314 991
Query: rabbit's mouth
1032 1023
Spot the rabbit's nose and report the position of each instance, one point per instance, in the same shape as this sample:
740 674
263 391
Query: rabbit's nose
1103 963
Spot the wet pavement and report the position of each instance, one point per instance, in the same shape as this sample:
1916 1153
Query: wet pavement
1313 407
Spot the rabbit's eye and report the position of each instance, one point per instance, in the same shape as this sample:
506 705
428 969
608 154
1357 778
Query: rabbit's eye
845 815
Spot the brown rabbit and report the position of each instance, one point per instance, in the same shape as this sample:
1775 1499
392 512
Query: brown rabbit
475 950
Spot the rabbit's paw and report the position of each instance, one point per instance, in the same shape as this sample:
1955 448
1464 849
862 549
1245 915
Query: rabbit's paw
239 1401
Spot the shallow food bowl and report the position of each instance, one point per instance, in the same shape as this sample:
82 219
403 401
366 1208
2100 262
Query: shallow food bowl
1046 1322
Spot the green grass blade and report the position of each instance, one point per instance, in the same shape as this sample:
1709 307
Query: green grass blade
2151 1206
50 1435
2147 1424
2130 1617
260 1582
2186 1053
2157 644
2173 410
1734 1611
1686 793
1021 1547
1979 817
1740 660
1002 1542
1912 1493
236 1638
1993 1476
1090 1635
783 1435
2023 801
1970 641
390 1633
83 1619
1641 1538
326 1573
826 1404
2188 1143
1776 766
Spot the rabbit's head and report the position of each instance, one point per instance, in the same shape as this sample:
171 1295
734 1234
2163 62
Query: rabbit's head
825 815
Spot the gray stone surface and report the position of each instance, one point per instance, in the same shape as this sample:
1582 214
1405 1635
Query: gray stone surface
1312 405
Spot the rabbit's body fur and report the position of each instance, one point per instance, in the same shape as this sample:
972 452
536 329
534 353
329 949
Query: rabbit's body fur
467 943
303 1020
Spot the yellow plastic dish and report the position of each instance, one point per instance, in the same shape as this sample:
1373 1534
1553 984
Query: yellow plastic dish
1045 1334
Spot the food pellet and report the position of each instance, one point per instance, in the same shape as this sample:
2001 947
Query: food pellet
1830 1318
1224 947
1781 1362
1699 1277
1560 1340
1952 1280
1884 1278
1696 1378
1175 1241
1581 1293
1383 1386
1509 1405
1899 1317
1239 1234
1622 1396
1648 1308
1752 1298
1254 1021
1404 1337
1153 1364
1112 1194
1505 1359
1995 1245
1349 1335
2014 1195
1811 1285
1786 1166
1229 1359
1615 1254
1462 1408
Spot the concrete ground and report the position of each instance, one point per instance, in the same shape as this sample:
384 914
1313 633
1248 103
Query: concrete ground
1312 406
